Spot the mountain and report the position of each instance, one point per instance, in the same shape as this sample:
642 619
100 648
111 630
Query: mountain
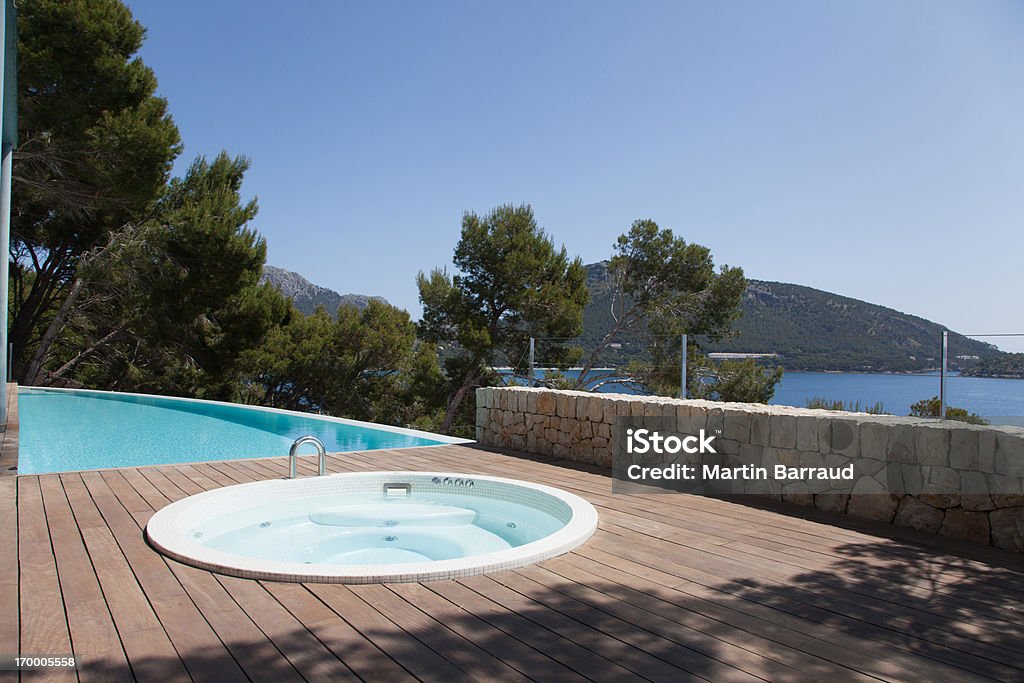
809 329
306 296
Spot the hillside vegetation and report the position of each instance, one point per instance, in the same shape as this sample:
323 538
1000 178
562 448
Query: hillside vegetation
809 329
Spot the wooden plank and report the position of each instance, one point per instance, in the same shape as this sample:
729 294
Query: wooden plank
476 662
44 627
149 650
610 658
756 656
360 655
420 660
307 654
250 647
844 647
10 617
572 656
94 638
526 660
202 652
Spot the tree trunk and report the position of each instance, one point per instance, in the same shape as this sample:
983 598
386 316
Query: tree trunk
55 327
28 314
457 399
85 353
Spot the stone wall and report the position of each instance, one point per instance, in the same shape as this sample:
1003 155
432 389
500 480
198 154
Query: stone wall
951 478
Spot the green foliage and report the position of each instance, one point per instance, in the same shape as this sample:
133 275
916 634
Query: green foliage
512 284
364 364
816 330
810 329
1008 365
819 403
931 407
96 148
659 286
181 292
743 381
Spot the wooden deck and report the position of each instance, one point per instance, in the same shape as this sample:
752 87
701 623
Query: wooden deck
671 588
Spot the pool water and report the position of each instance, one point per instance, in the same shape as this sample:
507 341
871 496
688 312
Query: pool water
66 430
371 529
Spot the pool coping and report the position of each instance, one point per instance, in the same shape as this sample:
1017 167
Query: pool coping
9 439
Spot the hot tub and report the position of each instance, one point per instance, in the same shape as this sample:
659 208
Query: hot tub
371 527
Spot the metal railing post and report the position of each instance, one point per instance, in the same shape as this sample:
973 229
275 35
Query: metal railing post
682 371
942 375
533 370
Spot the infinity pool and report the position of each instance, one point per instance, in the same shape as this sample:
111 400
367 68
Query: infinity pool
69 429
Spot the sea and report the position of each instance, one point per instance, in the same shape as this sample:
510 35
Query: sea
1000 401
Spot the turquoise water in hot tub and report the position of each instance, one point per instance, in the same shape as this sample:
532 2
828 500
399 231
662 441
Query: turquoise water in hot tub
64 430
372 529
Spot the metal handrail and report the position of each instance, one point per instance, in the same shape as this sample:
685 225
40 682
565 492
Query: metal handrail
293 455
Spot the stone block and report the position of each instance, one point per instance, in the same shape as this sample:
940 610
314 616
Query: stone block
918 515
637 408
874 440
940 499
1007 500
869 499
979 502
783 431
824 434
933 446
966 525
902 446
987 451
845 438
807 433
1007 527
546 403
582 408
946 477
911 478
566 405
1009 458
759 429
974 483
715 421
832 502
737 425
963 449
596 412
797 492
727 446
655 409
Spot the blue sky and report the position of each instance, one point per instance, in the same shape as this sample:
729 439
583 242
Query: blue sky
874 149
